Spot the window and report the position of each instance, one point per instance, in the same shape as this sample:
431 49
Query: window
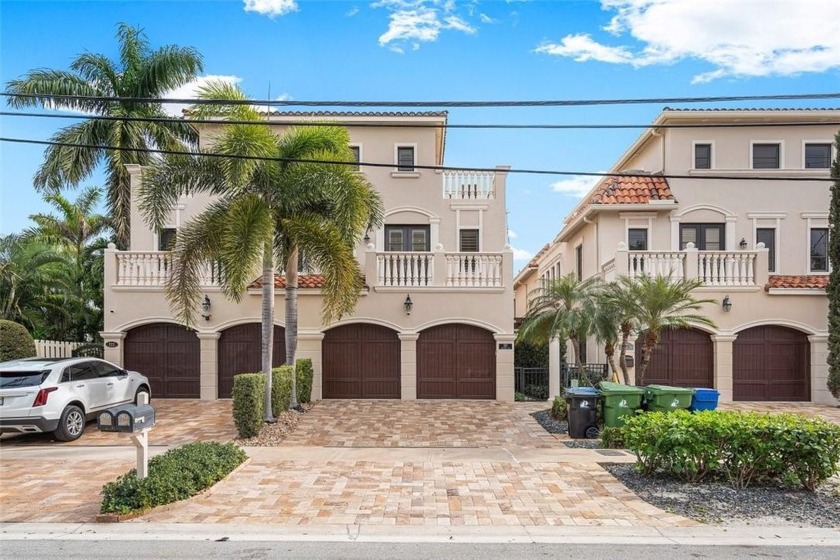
405 158
637 239
166 239
819 249
766 156
78 372
468 241
104 369
702 156
768 237
357 155
817 156
407 238
706 237
579 261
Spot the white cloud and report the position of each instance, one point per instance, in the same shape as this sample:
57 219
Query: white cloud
484 18
271 8
512 234
739 38
412 22
352 11
522 254
190 91
576 186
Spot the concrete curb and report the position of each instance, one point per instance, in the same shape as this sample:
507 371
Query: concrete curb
698 536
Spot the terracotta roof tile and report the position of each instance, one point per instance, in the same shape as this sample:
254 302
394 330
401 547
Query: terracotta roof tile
803 282
627 189
305 281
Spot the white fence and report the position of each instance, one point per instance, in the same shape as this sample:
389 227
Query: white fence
468 185
55 348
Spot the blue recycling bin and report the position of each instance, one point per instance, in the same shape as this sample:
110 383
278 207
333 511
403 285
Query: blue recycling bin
704 399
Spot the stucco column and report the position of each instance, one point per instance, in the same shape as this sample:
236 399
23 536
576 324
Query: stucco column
209 364
629 350
113 346
723 365
309 346
554 384
819 370
408 366
504 367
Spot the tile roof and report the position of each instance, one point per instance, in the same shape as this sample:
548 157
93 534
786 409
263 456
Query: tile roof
304 281
627 189
360 113
754 109
813 282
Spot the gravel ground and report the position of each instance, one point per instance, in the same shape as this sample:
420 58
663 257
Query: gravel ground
717 502
273 434
552 426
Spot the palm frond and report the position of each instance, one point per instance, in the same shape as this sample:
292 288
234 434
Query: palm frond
44 83
167 68
248 227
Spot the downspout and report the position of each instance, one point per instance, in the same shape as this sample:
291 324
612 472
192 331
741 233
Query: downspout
655 132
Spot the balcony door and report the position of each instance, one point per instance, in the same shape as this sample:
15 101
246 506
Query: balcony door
407 238
706 237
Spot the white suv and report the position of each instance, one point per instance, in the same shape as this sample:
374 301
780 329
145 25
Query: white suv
60 395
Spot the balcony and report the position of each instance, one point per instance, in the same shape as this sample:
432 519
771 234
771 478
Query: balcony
727 269
469 185
427 269
151 269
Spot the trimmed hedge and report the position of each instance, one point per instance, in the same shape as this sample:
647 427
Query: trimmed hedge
15 341
248 403
249 398
612 438
175 475
742 447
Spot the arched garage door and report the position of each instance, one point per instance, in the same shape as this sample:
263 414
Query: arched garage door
683 358
456 362
361 361
771 363
169 355
240 351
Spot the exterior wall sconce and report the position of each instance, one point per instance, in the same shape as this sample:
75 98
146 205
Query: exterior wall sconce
727 303
743 244
367 236
205 307
408 304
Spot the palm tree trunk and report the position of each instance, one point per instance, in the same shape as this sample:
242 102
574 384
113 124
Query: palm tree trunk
609 350
578 365
647 352
625 336
292 320
268 324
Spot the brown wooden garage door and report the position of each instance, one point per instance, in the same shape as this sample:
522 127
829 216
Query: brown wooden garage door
771 363
683 358
169 355
240 351
361 361
456 362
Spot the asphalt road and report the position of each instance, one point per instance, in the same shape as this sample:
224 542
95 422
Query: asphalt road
61 549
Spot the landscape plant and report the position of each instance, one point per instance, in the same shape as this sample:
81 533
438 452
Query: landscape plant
833 289
15 341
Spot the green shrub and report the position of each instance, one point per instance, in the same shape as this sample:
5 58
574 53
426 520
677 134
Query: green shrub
175 475
304 380
15 341
528 355
559 410
612 438
248 403
281 389
742 447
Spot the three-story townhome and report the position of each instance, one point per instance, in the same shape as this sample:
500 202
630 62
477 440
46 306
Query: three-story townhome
434 319
690 206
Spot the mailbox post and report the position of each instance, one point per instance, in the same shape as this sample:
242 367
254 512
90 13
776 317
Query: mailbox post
134 421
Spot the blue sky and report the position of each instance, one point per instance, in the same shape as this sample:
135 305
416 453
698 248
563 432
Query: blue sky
451 50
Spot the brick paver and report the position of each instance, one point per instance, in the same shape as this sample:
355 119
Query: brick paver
178 421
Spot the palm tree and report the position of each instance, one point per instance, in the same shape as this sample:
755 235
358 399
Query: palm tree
76 232
617 306
139 73
563 308
265 210
605 327
660 302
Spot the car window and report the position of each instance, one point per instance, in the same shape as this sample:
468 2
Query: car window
9 379
78 372
104 369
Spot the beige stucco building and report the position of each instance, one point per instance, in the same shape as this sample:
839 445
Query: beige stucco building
443 247
689 207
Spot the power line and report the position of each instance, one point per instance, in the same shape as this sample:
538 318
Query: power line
418 125
416 166
534 103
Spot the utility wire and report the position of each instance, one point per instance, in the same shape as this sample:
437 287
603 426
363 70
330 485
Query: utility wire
414 125
416 166
535 103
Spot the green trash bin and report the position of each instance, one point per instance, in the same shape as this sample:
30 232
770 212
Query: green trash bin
662 398
620 401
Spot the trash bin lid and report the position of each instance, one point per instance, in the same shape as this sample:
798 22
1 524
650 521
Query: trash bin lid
668 389
582 391
610 387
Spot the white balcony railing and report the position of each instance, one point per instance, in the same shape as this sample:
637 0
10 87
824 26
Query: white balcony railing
712 268
468 185
153 269
405 269
474 270
425 269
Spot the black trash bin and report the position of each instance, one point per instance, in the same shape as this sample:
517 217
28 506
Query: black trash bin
582 404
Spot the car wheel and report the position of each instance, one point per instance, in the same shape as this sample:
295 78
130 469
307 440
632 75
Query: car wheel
71 425
145 392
